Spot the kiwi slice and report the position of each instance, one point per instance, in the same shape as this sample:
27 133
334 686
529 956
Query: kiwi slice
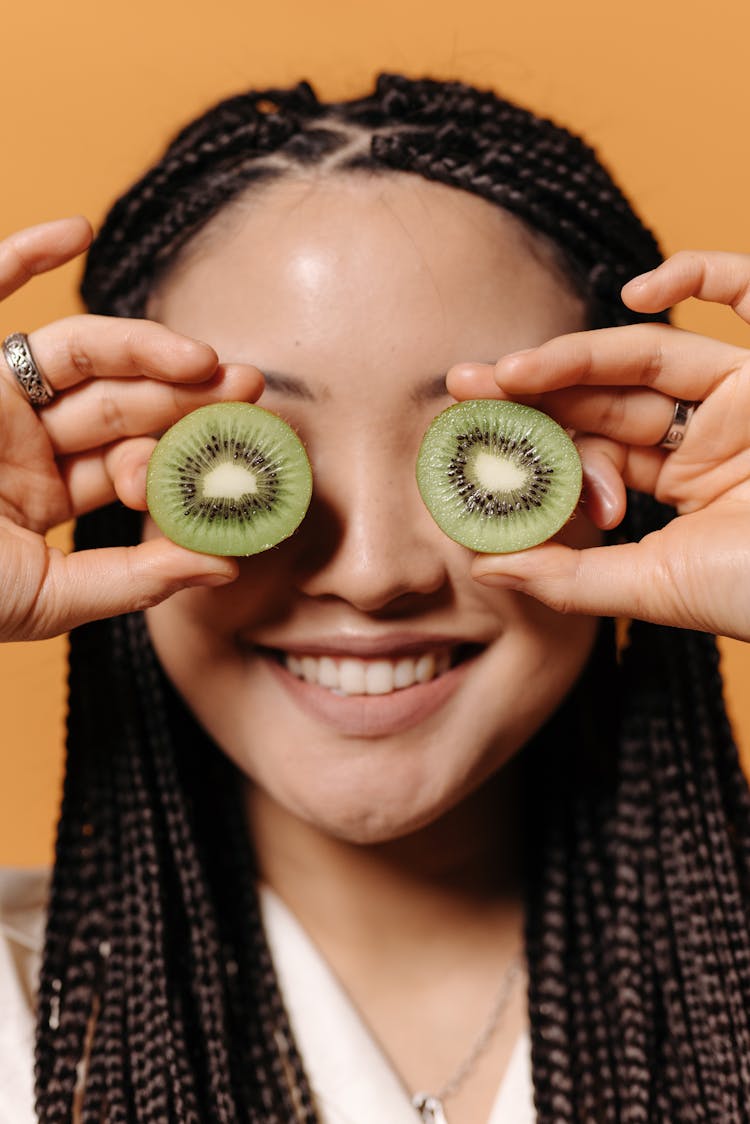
497 476
229 478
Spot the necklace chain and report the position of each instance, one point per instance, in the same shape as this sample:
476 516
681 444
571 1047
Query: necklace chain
430 1105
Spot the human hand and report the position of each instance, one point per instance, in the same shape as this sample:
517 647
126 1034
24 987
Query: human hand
616 387
116 384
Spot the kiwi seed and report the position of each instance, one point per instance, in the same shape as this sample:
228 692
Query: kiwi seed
497 476
229 478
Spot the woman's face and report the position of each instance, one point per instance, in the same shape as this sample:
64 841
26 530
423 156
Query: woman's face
354 296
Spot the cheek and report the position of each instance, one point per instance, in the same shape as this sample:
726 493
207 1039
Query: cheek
532 667
197 633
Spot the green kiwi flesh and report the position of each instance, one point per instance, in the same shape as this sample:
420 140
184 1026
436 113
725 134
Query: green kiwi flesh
498 476
229 478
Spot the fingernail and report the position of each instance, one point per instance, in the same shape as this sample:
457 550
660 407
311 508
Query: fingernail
516 354
609 509
209 580
641 279
192 347
498 581
601 499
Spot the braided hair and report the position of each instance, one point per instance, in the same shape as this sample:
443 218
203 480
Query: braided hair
156 969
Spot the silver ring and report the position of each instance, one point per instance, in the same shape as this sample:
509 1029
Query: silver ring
28 376
683 412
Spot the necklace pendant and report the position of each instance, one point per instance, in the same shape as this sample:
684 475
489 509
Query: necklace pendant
429 1108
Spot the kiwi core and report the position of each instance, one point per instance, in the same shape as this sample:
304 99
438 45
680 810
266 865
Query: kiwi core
230 481
497 474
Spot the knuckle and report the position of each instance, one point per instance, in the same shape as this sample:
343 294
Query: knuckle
692 263
75 346
178 404
653 362
15 260
112 417
613 412
560 600
81 362
583 358
139 340
740 296
146 588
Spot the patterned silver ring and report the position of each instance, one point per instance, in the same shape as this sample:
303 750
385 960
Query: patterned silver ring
28 376
683 412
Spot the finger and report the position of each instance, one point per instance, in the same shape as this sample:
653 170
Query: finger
677 363
92 584
40 248
607 581
603 496
78 348
106 410
708 275
127 466
473 380
638 469
630 415
101 476
634 415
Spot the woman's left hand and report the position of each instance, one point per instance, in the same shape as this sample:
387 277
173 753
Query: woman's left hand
616 387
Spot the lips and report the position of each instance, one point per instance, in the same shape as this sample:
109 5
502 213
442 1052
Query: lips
374 695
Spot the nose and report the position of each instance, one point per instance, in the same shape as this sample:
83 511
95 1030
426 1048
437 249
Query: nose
368 539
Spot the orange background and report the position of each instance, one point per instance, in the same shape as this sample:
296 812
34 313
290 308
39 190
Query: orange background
90 91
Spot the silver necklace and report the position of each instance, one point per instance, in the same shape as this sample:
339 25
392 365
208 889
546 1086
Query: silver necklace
430 1105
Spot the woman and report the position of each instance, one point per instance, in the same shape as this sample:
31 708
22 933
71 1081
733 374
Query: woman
230 782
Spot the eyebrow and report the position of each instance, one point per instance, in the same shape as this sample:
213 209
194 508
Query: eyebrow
434 387
295 387
291 386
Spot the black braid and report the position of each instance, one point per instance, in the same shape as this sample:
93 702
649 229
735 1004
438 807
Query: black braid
638 813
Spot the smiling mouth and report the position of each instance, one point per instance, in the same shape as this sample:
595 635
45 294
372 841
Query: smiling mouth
346 676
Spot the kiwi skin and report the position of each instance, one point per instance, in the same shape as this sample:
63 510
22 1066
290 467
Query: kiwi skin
489 517
235 434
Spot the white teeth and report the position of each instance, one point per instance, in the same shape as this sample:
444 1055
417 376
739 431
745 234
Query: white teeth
368 677
328 673
352 677
425 668
404 673
379 677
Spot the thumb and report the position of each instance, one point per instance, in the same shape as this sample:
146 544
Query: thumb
92 584
605 581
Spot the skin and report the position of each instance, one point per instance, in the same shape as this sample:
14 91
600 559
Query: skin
365 290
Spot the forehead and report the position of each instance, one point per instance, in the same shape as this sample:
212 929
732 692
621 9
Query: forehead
376 261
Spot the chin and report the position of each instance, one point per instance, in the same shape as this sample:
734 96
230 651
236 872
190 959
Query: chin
372 794
371 825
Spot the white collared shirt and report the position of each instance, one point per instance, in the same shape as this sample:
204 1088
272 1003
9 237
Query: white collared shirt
352 1080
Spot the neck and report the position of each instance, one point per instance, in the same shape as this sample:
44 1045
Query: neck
449 878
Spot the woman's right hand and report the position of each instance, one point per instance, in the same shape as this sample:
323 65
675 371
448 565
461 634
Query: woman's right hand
617 389
117 383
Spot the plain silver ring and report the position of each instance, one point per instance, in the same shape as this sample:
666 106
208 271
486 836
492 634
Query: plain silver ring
683 412
28 376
